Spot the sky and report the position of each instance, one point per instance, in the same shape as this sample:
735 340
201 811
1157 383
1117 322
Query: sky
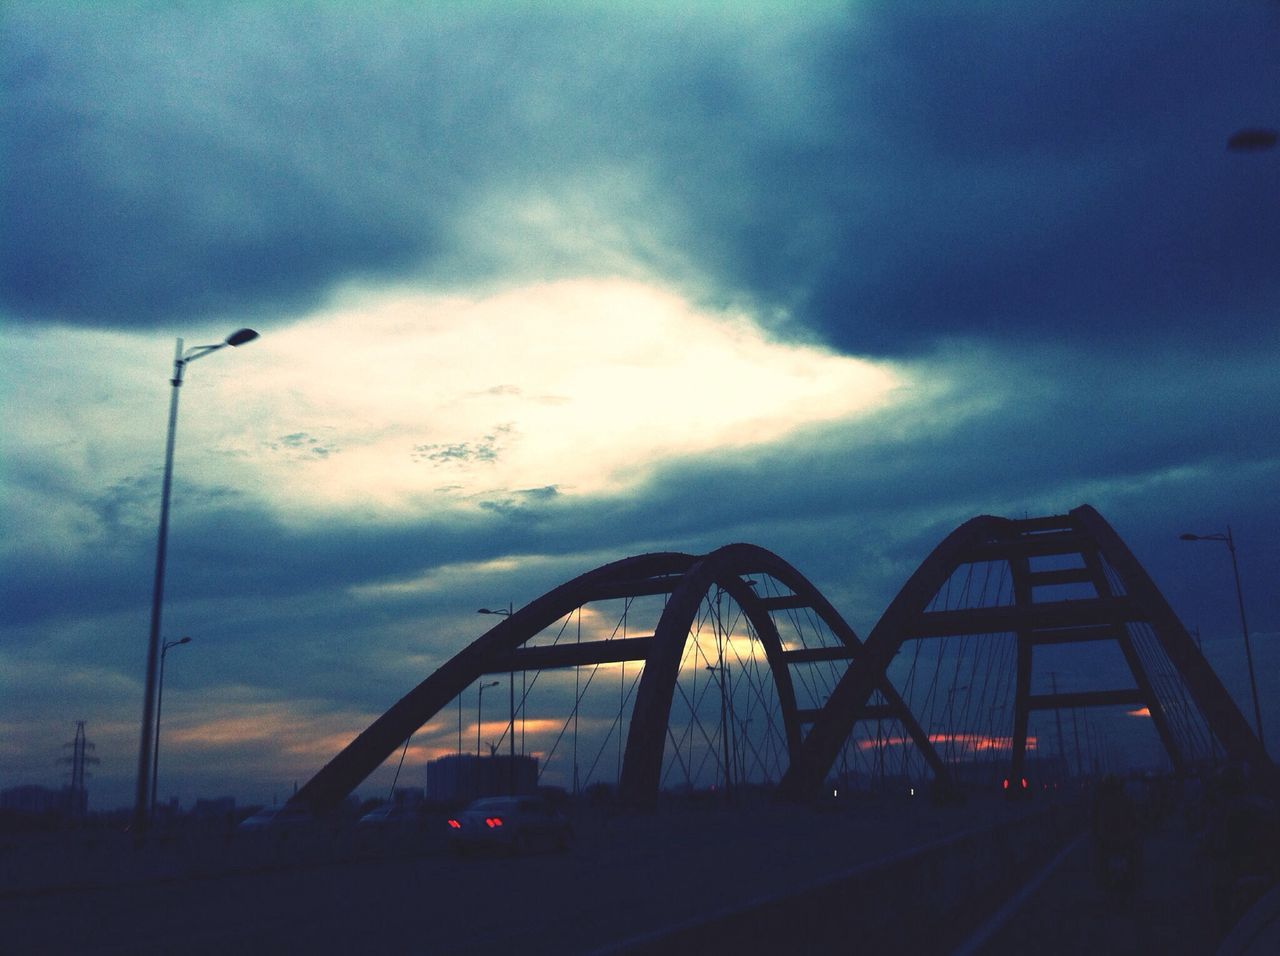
541 286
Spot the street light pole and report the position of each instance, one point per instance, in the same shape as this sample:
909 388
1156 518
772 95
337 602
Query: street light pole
155 757
181 359
1229 541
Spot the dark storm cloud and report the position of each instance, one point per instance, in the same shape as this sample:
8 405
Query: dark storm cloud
160 164
1030 175
899 176
249 158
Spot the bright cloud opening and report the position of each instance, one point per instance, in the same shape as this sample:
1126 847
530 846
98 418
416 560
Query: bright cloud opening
405 401
395 403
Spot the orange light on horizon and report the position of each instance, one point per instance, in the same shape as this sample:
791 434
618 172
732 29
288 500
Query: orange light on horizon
972 742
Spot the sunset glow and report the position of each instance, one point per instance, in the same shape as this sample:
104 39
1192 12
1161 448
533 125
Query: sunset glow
971 743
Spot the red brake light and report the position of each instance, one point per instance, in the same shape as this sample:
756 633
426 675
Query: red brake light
493 821
1024 783
1005 785
455 825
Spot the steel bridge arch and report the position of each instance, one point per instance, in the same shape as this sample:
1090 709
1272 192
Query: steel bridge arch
1124 594
686 579
629 577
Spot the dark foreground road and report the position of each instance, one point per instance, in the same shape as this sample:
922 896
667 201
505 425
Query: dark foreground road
625 877
1171 914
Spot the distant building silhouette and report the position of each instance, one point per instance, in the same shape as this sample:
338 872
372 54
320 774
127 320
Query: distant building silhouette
462 777
33 799
214 809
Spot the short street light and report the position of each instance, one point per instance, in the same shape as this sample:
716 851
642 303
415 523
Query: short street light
181 360
155 760
480 703
511 696
1244 626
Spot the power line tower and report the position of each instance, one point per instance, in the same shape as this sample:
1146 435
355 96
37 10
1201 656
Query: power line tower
77 794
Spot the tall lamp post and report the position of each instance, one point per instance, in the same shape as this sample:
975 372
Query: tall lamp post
181 360
511 727
1244 626
155 755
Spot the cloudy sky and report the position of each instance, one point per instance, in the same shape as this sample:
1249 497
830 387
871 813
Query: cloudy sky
541 286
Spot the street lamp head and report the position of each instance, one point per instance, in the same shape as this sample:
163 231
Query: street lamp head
185 640
182 359
1251 140
1216 536
241 336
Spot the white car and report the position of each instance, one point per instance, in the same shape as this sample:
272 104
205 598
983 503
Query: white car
394 816
516 824
284 816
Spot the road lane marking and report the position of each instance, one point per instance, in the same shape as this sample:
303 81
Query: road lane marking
973 945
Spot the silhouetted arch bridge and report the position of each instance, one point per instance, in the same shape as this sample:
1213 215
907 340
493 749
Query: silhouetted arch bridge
748 676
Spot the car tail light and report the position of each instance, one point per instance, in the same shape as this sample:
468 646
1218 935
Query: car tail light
455 825
493 822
